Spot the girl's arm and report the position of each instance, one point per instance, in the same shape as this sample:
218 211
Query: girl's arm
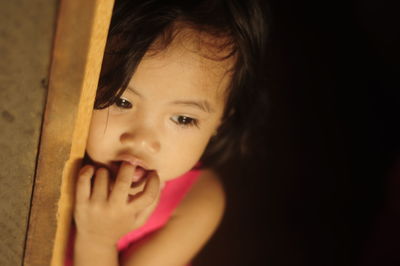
193 223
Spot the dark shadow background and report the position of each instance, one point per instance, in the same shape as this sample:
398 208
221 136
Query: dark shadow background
319 187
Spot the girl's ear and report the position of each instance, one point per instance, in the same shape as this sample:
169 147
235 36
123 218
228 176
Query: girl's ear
220 122
231 113
215 133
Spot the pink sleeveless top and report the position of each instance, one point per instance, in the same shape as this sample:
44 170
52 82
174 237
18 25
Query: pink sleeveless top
171 195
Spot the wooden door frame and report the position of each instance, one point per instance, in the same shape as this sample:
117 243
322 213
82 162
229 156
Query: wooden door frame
78 47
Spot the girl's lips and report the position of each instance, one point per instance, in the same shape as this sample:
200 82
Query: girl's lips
141 169
139 174
132 160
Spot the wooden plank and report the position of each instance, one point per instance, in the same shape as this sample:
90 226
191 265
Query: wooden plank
79 43
26 37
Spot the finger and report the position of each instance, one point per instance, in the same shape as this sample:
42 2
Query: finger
136 189
100 186
83 184
137 186
149 194
122 183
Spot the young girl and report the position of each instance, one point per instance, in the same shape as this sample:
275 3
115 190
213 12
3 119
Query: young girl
176 95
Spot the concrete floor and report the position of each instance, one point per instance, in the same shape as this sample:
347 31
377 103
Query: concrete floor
26 32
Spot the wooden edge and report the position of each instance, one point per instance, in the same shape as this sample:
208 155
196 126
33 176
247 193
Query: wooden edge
80 38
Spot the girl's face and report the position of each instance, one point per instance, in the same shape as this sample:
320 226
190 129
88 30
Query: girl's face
166 117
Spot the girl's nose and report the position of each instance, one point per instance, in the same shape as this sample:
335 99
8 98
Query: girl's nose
141 141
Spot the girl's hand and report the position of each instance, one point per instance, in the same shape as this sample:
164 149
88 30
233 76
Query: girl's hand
104 217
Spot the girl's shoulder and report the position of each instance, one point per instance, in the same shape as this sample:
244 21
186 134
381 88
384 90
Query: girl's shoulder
192 224
206 198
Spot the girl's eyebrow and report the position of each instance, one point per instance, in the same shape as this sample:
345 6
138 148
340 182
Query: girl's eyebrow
202 105
135 92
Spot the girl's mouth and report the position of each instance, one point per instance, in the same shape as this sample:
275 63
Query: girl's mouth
138 177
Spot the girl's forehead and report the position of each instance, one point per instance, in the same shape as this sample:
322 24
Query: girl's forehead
192 57
179 72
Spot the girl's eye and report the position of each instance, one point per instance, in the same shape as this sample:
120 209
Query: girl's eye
123 103
184 121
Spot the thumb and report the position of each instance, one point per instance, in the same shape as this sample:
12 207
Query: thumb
149 193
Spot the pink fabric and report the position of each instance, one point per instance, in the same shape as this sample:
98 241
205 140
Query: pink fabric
171 195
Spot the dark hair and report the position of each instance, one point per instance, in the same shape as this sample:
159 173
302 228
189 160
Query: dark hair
136 25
